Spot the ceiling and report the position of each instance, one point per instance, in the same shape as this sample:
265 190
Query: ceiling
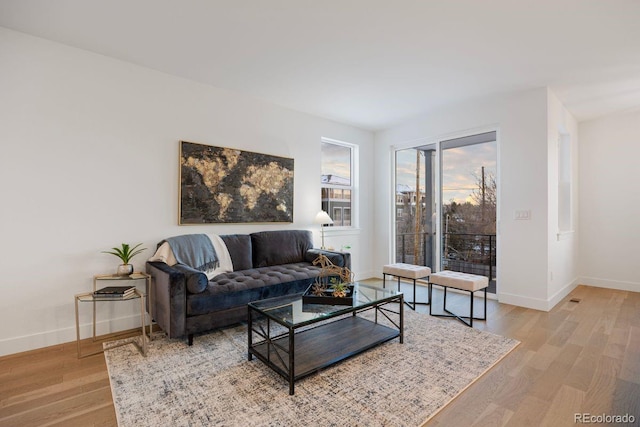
368 63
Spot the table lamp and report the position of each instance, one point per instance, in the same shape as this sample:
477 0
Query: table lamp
323 219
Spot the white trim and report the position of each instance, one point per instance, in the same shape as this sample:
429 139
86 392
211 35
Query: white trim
537 303
610 284
342 231
564 144
392 206
366 275
498 204
437 185
66 335
566 290
355 179
526 302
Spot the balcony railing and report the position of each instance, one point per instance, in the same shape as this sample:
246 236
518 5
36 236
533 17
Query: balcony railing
470 253
405 248
467 253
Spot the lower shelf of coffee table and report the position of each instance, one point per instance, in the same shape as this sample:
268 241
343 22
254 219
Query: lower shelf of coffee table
323 345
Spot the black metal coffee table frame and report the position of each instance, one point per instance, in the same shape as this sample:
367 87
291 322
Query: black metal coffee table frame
302 349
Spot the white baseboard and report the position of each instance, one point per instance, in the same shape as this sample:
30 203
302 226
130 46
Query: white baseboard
610 284
367 275
558 296
65 335
521 301
538 303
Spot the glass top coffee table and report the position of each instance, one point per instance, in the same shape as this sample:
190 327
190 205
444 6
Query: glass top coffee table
297 339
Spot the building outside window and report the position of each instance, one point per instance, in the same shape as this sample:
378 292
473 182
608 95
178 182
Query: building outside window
337 181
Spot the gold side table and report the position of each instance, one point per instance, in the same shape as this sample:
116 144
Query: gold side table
133 276
89 297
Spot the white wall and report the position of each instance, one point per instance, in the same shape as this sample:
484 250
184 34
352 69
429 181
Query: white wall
90 159
610 201
563 248
521 121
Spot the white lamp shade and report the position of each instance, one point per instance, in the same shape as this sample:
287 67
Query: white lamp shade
323 218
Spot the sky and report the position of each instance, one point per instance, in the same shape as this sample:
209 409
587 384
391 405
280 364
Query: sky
336 160
460 168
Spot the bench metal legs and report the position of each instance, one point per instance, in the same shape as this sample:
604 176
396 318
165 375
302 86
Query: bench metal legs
410 304
451 314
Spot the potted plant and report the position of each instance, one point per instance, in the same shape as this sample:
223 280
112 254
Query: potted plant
125 253
337 289
340 289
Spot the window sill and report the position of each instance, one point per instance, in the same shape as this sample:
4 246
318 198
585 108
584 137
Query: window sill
341 231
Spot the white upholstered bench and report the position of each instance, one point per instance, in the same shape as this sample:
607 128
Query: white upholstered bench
406 271
462 281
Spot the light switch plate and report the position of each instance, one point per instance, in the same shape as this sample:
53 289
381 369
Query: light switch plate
522 215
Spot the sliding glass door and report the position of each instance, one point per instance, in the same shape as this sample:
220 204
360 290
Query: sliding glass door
469 202
415 202
445 205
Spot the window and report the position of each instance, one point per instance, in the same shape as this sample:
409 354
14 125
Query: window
337 181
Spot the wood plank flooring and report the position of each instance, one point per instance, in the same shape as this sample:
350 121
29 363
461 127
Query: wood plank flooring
578 358
52 387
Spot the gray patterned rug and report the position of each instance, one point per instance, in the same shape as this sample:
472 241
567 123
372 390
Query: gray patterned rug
213 384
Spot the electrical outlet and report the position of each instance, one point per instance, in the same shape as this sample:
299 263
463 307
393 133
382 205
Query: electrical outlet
522 215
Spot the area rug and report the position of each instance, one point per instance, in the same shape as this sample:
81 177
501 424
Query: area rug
213 384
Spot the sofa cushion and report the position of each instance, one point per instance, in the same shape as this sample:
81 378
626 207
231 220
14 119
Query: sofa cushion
239 247
241 287
196 280
272 248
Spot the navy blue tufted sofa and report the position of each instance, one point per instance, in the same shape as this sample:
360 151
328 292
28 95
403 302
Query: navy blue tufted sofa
265 265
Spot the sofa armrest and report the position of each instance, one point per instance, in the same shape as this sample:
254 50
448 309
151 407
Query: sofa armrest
341 259
169 298
196 281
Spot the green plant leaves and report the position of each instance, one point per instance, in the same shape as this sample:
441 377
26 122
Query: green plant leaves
125 252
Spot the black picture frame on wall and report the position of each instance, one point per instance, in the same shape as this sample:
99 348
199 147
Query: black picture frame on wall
227 185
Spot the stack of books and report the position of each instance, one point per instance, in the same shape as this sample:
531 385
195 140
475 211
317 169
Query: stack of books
115 292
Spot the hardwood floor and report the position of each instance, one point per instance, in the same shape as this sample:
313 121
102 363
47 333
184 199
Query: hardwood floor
578 358
52 387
